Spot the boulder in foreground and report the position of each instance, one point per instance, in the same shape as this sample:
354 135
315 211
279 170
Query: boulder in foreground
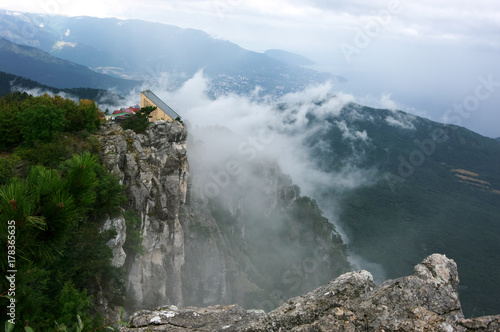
425 301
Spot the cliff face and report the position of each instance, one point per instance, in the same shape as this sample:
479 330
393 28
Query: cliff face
275 243
155 171
425 301
257 243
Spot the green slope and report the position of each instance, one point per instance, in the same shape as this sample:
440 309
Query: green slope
437 190
10 81
42 67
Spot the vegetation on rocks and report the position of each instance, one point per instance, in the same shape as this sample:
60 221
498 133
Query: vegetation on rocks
55 191
139 121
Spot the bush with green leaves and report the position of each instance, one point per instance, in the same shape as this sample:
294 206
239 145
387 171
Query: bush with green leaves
10 130
29 119
139 122
41 122
8 167
73 303
133 245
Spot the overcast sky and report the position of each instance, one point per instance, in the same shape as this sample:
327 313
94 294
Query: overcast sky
422 56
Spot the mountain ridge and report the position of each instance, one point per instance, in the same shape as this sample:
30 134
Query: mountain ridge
179 53
8 82
289 57
35 64
436 190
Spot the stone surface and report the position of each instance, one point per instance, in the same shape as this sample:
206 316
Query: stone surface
171 318
154 169
424 301
116 243
190 257
486 323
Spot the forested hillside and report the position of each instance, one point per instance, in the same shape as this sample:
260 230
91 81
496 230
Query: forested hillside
10 83
436 189
42 67
54 190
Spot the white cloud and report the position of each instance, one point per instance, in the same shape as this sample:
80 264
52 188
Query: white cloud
384 101
246 117
399 123
387 103
59 45
40 92
351 134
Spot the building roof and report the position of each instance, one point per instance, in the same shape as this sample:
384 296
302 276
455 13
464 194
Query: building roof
117 114
158 102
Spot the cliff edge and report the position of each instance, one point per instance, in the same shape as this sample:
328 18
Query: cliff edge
425 301
257 242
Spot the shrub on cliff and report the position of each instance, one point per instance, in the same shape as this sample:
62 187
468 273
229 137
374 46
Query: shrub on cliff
139 122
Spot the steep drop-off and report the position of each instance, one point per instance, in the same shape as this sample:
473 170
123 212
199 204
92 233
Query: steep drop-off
257 243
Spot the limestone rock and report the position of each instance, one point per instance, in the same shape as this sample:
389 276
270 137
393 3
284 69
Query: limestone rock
154 169
424 301
116 243
481 324
171 318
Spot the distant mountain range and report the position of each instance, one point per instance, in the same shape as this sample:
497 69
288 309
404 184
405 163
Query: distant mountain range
30 62
10 83
289 58
142 51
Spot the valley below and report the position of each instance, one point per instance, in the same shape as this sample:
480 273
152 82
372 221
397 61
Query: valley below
273 202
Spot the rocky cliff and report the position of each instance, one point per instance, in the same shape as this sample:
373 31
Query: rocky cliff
154 169
257 243
425 301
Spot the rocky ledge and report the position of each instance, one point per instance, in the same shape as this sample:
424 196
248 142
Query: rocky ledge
425 301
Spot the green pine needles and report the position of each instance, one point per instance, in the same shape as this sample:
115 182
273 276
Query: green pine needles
54 190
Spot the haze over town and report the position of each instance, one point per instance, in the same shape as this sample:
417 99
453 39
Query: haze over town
434 59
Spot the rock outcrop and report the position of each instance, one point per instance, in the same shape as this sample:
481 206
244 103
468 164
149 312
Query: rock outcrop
253 244
154 169
425 301
256 243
